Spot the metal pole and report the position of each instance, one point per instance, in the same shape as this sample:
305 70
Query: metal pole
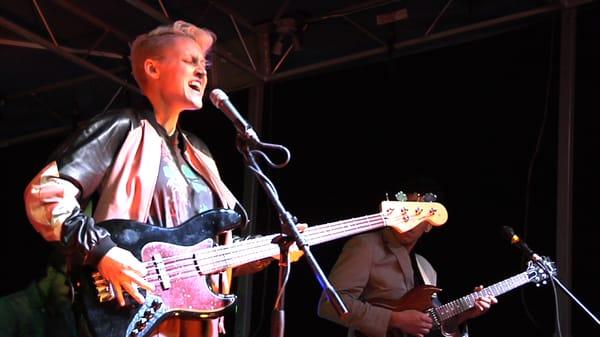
61 52
564 193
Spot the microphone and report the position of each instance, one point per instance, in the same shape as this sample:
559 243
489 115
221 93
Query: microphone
515 240
220 100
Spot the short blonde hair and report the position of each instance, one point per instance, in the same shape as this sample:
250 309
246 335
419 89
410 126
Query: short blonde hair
151 44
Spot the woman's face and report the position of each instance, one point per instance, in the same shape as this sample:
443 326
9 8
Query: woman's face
182 74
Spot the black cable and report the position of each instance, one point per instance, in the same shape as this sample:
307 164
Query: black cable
532 162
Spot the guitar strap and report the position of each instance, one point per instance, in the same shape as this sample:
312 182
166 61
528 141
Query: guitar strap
426 270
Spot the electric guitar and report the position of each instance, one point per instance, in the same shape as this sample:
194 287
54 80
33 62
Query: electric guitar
420 297
180 261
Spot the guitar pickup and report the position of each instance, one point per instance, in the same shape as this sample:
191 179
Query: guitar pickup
161 270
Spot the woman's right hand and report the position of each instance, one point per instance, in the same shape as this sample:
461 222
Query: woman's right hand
125 273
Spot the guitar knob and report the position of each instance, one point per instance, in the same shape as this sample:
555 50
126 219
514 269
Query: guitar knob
156 304
140 325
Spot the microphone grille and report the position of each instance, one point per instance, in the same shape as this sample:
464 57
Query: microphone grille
217 96
507 230
509 233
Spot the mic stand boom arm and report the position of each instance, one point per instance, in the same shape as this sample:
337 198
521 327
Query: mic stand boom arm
516 241
540 262
288 227
566 290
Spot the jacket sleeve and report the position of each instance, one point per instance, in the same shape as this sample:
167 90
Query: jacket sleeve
54 196
349 276
252 267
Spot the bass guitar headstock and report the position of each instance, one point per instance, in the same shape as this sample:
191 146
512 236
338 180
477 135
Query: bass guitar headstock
406 215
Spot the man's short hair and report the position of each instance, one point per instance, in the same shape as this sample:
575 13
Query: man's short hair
151 44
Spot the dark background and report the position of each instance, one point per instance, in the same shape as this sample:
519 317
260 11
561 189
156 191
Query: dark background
480 118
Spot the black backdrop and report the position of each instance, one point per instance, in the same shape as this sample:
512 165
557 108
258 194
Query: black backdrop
481 118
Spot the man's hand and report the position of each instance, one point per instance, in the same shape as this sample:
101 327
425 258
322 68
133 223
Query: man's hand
412 322
125 273
482 305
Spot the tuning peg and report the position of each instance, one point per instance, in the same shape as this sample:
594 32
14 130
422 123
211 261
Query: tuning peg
401 196
429 197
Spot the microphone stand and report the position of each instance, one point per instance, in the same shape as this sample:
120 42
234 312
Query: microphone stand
555 280
566 290
278 315
246 144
